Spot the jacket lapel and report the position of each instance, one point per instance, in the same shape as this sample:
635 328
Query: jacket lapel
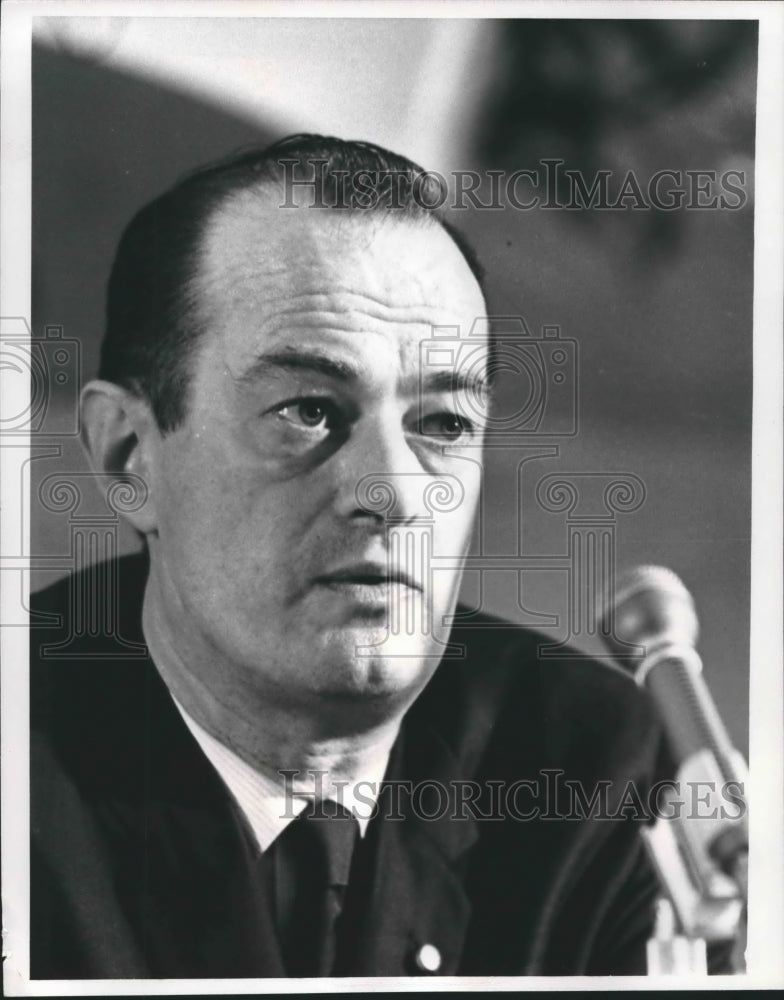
196 883
418 910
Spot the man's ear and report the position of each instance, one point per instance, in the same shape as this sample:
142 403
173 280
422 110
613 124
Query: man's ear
119 431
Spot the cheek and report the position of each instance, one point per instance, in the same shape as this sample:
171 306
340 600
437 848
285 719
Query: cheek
201 502
224 521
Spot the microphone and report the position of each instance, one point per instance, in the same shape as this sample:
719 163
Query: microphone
650 625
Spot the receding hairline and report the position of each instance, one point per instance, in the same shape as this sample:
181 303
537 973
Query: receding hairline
236 215
261 197
155 312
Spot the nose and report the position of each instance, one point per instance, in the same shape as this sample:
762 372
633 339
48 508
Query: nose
378 474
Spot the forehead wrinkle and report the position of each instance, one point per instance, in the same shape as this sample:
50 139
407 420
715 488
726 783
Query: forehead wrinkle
340 301
300 359
251 268
289 323
250 220
283 317
306 303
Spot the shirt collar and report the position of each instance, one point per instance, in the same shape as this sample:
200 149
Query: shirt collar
269 805
266 801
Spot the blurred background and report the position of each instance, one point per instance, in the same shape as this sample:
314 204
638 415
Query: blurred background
658 302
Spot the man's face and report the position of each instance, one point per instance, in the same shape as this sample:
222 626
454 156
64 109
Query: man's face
270 568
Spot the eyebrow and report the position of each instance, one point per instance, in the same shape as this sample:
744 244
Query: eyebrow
294 360
450 381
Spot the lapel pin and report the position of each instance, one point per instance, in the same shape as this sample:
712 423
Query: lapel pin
428 958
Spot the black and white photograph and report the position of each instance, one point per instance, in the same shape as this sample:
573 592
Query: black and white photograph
391 491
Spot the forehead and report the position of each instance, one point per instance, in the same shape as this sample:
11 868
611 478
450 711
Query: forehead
260 263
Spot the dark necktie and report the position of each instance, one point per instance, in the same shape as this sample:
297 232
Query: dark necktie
320 844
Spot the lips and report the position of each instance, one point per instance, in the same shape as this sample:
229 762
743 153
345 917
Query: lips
366 574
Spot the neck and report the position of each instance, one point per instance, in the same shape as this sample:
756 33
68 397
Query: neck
270 737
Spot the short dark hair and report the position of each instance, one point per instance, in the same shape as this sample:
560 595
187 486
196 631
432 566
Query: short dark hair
152 320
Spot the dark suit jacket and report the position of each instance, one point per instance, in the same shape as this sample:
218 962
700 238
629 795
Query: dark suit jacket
142 866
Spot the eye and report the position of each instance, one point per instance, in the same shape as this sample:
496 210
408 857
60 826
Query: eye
311 413
446 426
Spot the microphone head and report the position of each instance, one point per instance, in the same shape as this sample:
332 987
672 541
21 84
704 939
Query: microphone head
650 606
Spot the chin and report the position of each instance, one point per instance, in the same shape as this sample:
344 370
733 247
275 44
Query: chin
371 663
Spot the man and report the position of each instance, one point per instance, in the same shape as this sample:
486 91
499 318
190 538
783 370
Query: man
261 376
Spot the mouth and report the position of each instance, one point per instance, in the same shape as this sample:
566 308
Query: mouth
370 578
